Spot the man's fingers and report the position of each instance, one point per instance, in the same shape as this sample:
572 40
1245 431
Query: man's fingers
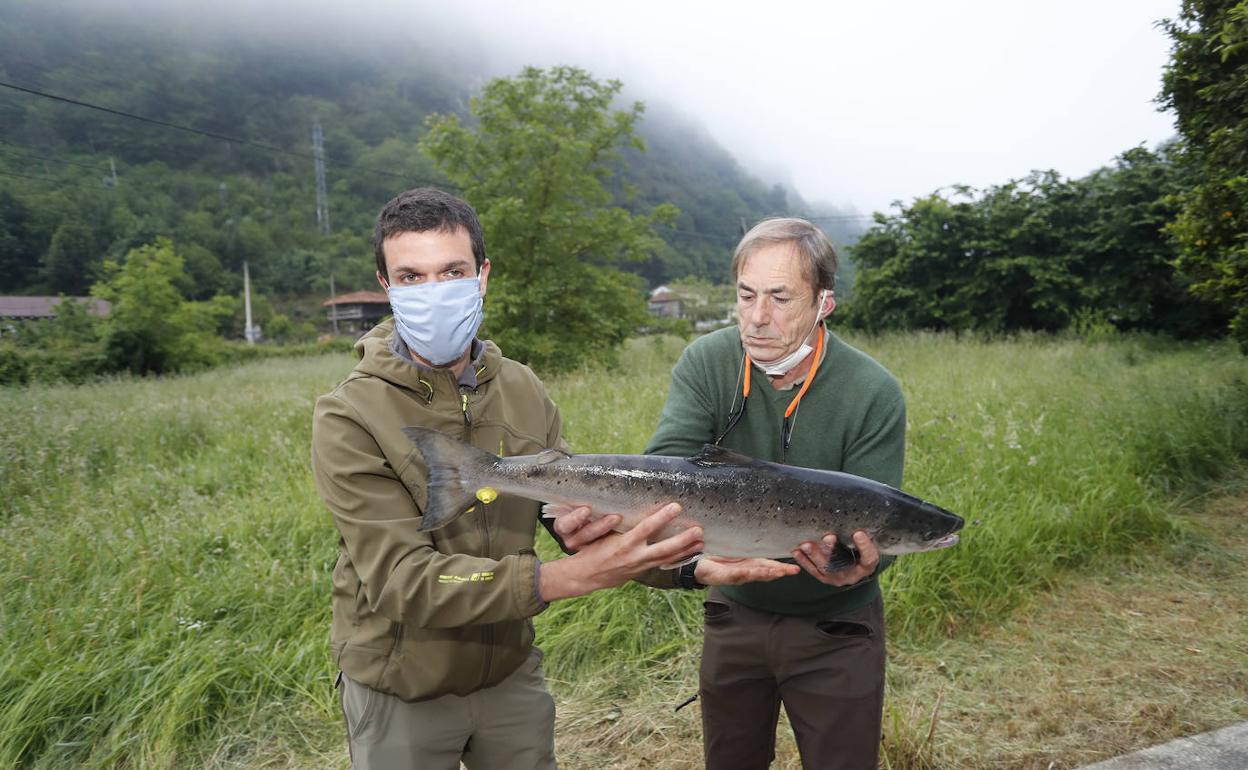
734 571
569 523
868 553
802 556
768 569
578 528
591 532
654 523
676 548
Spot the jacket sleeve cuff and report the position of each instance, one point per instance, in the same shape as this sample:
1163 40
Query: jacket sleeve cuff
537 586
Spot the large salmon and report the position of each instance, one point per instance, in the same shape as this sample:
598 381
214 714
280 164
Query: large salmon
746 507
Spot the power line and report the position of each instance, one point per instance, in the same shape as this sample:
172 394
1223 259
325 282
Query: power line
155 122
49 180
695 234
313 157
210 134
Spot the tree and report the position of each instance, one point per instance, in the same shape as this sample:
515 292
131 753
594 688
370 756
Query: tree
19 249
535 166
1206 83
152 329
1033 254
999 262
1127 257
69 264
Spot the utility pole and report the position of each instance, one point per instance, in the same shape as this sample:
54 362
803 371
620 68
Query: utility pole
322 199
250 333
322 207
333 306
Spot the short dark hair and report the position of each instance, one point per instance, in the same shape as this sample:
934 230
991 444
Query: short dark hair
421 210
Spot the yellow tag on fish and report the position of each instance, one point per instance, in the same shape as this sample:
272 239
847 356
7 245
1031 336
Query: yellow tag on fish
487 495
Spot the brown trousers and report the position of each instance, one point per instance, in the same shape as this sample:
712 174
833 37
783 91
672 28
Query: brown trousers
827 671
510 726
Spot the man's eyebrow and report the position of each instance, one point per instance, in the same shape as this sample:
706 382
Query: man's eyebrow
781 289
460 264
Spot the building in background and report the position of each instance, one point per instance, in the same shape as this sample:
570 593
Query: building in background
37 308
357 312
665 303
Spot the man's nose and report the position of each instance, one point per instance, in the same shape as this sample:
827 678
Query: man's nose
759 313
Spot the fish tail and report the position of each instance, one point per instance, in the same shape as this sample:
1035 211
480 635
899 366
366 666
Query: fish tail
454 482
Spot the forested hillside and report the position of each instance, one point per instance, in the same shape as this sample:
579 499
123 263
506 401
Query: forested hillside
206 137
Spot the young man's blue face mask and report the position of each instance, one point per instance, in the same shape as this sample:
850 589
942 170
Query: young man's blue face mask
437 320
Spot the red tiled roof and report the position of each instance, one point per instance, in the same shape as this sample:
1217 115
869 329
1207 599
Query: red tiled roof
43 307
359 298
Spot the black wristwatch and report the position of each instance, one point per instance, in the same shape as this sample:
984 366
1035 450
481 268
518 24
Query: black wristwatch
685 577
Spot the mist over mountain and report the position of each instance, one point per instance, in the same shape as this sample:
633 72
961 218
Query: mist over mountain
206 137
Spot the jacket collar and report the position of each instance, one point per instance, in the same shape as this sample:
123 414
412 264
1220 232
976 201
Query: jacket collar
378 359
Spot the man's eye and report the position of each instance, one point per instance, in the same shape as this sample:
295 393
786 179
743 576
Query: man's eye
745 297
782 300
455 273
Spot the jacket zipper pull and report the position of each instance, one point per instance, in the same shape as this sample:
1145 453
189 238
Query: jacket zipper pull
463 404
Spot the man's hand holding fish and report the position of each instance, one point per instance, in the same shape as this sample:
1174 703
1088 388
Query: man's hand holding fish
579 529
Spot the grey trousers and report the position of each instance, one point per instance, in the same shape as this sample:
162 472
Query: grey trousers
510 726
827 671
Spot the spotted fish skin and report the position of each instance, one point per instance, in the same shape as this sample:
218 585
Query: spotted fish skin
746 507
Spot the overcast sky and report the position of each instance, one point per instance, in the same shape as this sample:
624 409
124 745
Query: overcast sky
865 103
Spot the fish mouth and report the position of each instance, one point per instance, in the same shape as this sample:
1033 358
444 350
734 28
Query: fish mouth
944 542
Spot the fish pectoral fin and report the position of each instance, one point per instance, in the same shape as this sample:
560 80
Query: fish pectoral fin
713 455
843 556
548 456
555 510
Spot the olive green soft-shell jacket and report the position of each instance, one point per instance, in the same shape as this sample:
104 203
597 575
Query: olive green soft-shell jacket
423 614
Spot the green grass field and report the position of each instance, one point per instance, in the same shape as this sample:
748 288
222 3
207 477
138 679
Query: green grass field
165 562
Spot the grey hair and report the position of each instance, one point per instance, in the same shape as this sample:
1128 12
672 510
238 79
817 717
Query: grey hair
812 247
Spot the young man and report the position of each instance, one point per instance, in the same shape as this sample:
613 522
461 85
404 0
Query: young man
431 630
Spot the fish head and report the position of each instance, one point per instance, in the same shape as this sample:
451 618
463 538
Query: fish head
924 527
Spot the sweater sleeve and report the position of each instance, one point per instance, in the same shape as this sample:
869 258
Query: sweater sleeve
879 451
688 419
685 425
404 576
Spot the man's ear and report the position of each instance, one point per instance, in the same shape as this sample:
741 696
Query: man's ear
484 275
381 280
829 304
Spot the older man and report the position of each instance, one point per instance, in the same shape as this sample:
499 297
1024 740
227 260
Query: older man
781 387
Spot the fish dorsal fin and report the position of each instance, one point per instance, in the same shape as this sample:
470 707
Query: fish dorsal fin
548 456
713 455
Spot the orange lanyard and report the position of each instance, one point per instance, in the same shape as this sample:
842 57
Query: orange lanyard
810 376
788 413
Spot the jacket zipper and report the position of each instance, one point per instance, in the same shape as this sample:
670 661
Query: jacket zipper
487 630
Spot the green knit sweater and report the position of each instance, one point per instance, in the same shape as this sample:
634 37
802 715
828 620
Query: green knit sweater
852 419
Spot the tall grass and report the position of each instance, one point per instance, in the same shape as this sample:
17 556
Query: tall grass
165 561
